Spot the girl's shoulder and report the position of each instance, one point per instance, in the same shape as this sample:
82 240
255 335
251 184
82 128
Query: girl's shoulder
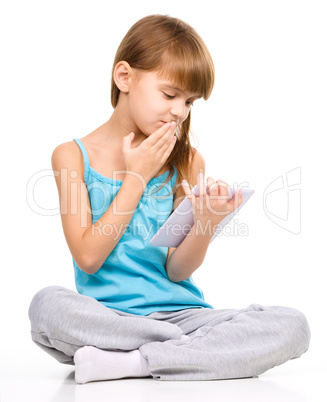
196 166
197 161
71 151
66 151
68 156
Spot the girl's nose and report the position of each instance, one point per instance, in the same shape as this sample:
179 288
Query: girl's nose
179 110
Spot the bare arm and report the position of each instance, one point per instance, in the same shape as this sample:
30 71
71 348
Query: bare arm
90 244
189 255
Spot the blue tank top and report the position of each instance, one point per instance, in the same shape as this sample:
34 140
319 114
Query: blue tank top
133 278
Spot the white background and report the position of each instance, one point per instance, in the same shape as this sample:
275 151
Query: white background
265 118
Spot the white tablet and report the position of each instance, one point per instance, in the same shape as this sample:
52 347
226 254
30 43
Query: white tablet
180 222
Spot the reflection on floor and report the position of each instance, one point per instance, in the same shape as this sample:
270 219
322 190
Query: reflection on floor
45 380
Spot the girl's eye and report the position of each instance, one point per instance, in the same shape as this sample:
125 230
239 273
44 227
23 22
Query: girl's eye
169 96
173 96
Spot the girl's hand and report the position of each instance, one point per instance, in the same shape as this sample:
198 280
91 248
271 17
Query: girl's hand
211 208
147 159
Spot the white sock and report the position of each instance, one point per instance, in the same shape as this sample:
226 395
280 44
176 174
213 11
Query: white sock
93 364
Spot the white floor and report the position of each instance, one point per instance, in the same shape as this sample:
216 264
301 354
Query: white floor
42 379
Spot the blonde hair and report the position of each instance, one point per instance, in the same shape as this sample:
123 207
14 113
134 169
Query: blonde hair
176 51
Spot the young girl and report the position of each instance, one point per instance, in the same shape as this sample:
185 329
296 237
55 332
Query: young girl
138 312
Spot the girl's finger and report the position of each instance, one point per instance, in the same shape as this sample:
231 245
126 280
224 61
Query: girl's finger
237 200
212 186
127 141
169 149
163 146
162 135
201 185
222 188
240 200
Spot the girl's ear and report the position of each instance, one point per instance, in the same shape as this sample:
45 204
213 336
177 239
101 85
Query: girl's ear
122 75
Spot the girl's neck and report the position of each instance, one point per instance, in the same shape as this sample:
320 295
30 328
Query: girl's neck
120 124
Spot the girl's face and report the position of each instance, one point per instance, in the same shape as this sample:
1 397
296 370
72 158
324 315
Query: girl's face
154 102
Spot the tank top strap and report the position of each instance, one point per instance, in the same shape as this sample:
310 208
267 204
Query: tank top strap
85 157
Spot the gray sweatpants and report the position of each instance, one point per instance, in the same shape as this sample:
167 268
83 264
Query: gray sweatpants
191 344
